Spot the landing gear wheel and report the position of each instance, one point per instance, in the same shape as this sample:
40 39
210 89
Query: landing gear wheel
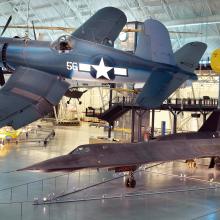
68 102
130 181
127 182
80 103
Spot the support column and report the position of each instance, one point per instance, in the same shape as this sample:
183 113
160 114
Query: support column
175 114
140 114
110 105
174 123
110 129
152 122
132 124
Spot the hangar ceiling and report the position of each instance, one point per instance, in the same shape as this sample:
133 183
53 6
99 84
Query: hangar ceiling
199 16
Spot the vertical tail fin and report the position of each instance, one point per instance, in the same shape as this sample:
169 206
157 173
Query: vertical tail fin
188 56
212 123
154 43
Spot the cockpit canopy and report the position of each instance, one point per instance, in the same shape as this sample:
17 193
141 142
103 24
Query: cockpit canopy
63 44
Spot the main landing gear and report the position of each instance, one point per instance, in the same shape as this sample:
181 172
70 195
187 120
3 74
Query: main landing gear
130 181
68 102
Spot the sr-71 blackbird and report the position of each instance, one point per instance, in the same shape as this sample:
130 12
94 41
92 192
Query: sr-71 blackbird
129 156
39 68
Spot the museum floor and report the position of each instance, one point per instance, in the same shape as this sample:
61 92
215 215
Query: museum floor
163 191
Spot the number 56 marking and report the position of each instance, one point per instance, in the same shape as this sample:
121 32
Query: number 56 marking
71 65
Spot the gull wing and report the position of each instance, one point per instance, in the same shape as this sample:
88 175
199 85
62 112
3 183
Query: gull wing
28 95
103 27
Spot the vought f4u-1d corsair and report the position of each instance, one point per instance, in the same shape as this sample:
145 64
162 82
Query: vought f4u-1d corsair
39 68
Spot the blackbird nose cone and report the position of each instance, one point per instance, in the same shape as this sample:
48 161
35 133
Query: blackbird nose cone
51 164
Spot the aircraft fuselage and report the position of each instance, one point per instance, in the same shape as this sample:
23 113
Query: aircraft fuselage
174 147
82 62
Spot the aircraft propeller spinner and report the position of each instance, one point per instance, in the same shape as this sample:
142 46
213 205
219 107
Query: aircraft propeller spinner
2 78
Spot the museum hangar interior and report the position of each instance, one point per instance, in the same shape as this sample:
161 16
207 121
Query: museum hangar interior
121 118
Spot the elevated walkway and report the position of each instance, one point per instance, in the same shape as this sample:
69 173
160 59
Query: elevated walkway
121 105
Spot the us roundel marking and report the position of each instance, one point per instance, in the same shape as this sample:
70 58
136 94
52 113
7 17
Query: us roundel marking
102 70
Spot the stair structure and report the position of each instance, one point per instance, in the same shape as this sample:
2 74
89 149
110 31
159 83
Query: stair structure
120 105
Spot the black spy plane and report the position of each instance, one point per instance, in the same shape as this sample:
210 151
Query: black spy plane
39 68
129 156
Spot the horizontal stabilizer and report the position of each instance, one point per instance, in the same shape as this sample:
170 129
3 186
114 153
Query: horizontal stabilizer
212 124
188 56
28 95
154 43
103 27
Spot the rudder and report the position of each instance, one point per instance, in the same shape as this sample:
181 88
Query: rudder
154 43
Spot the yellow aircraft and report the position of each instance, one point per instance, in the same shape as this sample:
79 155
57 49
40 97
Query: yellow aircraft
215 60
7 133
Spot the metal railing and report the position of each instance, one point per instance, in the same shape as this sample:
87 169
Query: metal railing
192 102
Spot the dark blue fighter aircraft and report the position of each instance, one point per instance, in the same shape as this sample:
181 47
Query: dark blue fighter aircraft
39 68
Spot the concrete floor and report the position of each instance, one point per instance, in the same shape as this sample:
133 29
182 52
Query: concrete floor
166 191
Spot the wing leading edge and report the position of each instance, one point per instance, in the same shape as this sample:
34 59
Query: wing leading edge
28 95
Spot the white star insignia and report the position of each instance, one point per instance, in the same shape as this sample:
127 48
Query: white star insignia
102 70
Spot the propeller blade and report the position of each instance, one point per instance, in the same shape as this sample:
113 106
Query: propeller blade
35 37
2 78
6 25
212 163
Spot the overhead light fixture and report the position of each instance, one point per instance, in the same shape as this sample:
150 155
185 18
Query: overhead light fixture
123 36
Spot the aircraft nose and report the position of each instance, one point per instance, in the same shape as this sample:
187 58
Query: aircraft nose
48 165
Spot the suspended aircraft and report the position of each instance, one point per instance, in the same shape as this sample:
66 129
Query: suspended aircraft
39 68
129 156
74 94
8 134
215 62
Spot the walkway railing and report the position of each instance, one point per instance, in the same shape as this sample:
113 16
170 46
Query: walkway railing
186 104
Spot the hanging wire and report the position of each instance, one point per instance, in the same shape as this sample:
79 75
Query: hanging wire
28 16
